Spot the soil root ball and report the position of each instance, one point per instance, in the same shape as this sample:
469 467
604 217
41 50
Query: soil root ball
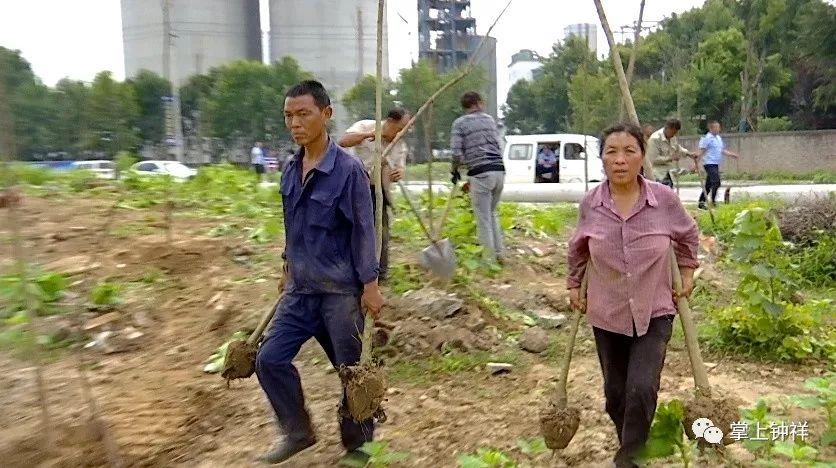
559 425
239 362
721 411
365 387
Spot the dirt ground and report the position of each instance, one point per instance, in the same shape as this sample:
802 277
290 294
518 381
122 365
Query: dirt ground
187 297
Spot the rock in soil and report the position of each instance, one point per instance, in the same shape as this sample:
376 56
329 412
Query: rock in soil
432 302
534 340
240 360
365 387
721 411
498 367
559 425
548 319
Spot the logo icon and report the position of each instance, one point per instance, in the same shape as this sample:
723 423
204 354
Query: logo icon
703 428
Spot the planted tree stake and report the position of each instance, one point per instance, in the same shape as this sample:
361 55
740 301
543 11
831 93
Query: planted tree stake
626 98
690 330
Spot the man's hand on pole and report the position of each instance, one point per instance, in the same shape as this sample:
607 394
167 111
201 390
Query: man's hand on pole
372 300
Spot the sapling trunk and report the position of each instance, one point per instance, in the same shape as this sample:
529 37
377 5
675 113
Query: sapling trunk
626 97
690 330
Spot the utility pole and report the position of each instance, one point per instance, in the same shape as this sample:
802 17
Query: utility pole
174 123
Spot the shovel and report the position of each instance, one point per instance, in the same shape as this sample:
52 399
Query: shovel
439 257
721 411
239 362
558 421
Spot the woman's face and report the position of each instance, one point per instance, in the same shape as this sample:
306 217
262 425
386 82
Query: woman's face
623 158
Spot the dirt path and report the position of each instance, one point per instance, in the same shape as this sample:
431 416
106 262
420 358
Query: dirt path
164 411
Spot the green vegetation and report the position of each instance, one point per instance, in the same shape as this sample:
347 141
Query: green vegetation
106 295
667 436
487 458
449 362
769 323
37 294
823 399
739 61
379 456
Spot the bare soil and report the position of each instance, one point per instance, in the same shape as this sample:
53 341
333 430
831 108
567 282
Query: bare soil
187 297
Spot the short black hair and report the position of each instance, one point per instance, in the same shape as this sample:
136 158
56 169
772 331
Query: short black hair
623 127
673 124
396 114
470 99
314 89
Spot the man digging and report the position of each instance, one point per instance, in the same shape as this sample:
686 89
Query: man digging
331 270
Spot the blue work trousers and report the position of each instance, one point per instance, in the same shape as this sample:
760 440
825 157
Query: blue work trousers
336 321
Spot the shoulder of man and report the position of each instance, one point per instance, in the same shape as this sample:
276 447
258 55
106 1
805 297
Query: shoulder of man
361 126
347 161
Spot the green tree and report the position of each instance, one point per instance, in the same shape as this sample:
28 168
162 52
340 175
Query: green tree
29 105
113 115
150 88
716 70
594 99
247 98
359 101
72 116
522 109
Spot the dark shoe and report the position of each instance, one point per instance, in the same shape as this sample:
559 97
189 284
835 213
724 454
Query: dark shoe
702 206
355 458
287 449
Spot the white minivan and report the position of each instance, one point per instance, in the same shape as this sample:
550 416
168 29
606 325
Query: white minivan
552 158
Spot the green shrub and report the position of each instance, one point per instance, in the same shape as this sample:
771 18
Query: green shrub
817 263
792 333
106 294
774 124
28 174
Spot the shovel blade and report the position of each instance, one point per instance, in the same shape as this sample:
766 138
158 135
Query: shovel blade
440 259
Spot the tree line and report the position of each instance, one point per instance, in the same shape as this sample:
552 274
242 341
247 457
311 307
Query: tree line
239 100
754 65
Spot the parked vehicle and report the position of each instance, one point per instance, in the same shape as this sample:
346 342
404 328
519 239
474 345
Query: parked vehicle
571 151
102 168
175 169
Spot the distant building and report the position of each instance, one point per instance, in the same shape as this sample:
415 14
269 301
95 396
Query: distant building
447 38
585 30
205 34
335 40
524 65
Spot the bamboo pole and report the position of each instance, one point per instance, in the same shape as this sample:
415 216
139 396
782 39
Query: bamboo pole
626 98
690 330
631 64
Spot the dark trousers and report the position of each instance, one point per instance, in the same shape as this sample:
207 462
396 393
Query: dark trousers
712 182
632 368
667 180
384 252
336 322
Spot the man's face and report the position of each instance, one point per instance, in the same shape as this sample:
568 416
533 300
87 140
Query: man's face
305 120
714 128
670 132
392 127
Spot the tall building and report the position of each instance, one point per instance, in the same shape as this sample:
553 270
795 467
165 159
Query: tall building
205 34
585 30
524 65
447 38
335 40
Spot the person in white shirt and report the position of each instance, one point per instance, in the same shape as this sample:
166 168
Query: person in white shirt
360 138
257 160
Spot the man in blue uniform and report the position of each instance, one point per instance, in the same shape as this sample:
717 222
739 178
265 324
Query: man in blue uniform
330 269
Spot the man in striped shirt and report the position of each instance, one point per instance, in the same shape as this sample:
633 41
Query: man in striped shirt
474 140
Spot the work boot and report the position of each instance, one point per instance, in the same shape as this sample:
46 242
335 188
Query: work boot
288 448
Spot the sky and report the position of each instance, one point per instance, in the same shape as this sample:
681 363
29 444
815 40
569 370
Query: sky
79 38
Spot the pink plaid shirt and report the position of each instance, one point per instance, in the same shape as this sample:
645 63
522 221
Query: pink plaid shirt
629 275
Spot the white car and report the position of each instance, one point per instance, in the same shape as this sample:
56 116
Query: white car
175 169
570 151
102 168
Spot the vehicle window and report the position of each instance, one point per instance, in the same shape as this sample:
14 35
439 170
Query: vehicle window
519 152
572 151
147 167
106 165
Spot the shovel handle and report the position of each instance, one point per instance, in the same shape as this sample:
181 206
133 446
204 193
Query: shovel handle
265 320
447 208
690 330
563 378
415 212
